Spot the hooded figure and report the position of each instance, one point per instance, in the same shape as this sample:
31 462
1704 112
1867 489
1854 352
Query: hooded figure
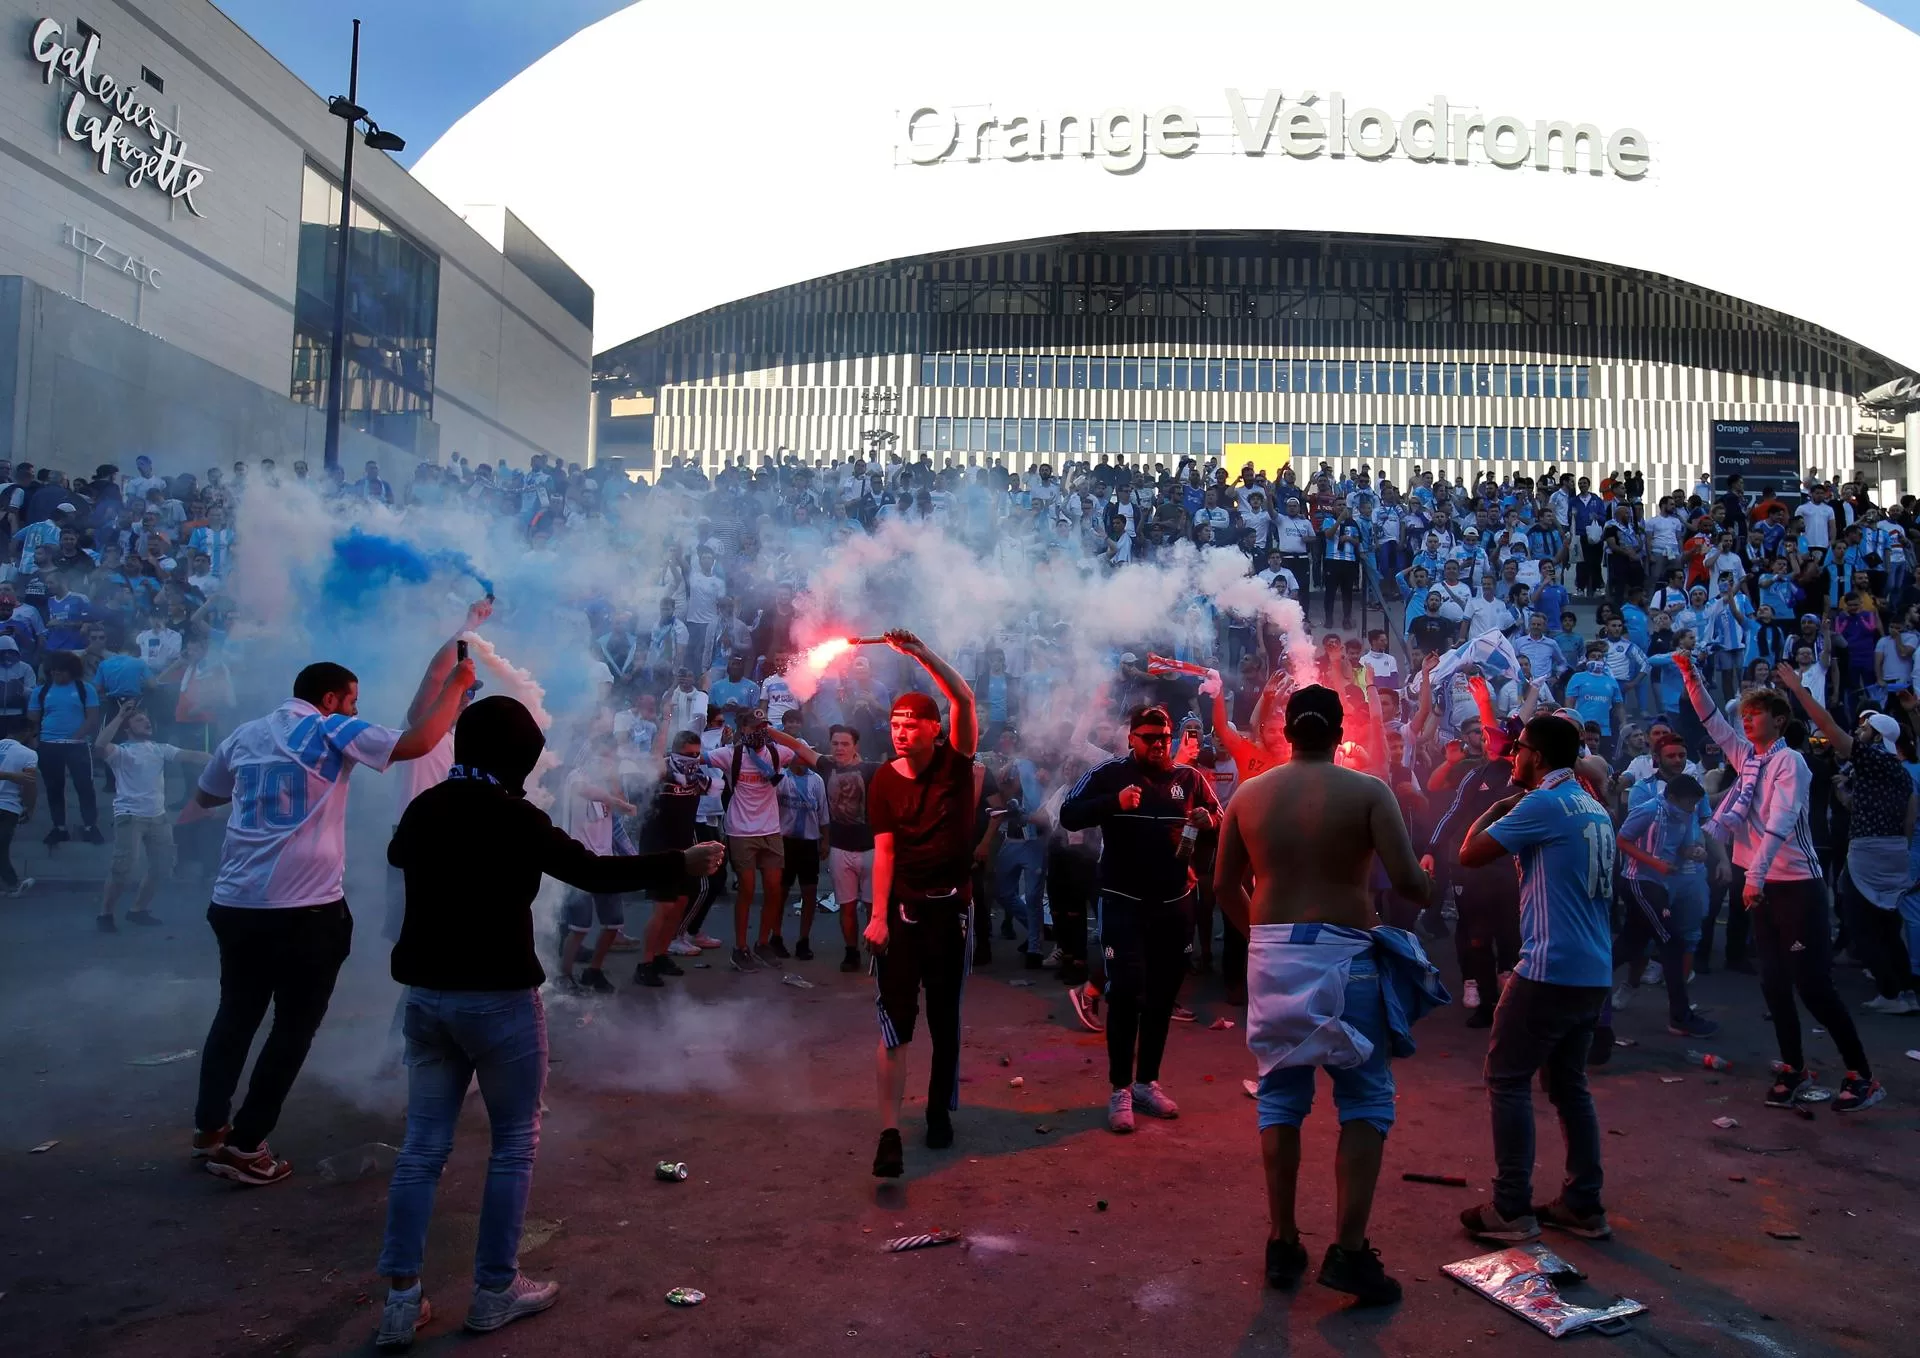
473 850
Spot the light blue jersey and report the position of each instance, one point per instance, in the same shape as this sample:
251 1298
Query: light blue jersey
1655 825
1593 697
1564 841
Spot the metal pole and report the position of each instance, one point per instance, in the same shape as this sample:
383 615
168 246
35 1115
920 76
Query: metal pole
336 353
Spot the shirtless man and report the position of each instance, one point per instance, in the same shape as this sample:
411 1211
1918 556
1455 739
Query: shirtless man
1348 817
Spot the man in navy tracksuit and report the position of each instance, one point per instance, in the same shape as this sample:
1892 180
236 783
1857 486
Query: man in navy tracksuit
1146 805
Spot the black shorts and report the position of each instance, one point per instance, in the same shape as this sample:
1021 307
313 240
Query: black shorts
927 945
803 861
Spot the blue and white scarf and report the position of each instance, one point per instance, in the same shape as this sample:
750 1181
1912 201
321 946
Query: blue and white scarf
1733 811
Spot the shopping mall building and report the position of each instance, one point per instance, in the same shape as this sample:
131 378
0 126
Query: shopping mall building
169 229
1470 236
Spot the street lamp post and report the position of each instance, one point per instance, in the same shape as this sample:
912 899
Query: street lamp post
349 109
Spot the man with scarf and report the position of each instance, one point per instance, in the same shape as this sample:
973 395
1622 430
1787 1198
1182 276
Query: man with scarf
1778 877
473 850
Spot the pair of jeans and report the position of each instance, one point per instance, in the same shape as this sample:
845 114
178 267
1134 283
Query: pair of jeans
1146 945
287 958
59 760
453 1036
1793 944
1544 1028
1019 874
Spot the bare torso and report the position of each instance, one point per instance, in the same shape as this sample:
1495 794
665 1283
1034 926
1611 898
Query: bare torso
1311 830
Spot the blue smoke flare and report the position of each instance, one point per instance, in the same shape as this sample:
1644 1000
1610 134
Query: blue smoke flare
365 563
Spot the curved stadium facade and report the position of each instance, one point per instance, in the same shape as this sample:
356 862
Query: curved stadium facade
1013 233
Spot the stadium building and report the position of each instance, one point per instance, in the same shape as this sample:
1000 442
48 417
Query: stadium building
1479 236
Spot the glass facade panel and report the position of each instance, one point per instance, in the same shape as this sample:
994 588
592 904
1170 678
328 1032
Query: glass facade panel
393 308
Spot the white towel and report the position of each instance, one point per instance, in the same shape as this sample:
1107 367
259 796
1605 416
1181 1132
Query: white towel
1297 995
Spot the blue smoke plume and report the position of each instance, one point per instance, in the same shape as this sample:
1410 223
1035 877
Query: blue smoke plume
365 563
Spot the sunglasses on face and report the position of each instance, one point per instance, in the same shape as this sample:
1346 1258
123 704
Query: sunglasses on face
1154 737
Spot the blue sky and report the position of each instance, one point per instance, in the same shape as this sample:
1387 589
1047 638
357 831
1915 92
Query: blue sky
423 63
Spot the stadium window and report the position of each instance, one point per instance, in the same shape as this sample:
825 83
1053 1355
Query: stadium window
1533 379
1166 374
977 434
1298 374
1363 377
929 370
996 370
1027 435
1582 381
1132 371
994 441
943 434
1583 445
1079 373
1097 372
1232 374
923 432
1416 379
943 371
1216 375
1399 379
1112 436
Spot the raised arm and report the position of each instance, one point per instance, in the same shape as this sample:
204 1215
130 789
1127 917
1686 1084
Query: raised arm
104 741
803 753
964 734
1790 680
442 663
431 728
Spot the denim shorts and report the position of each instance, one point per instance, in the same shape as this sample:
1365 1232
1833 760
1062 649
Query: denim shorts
582 909
1362 1093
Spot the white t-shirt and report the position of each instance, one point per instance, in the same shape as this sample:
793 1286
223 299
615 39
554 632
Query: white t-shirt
286 773
703 593
1894 667
685 711
429 770
1816 521
1385 669
755 807
587 820
14 758
777 696
140 777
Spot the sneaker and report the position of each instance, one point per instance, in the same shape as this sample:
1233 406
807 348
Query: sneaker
803 951
569 984
1903 1003
106 924
889 1157
1587 1225
1086 1008
596 980
1857 1093
666 966
1470 994
851 960
256 1168
1622 998
683 947
1787 1085
1286 1261
404 1313
57 835
648 974
1358 1273
21 888
1485 1223
145 918
765 955
1655 974
1182 1014
742 960
1693 1026
706 941
1054 958
1152 1100
779 947
90 834
1120 1111
521 1297
939 1129
206 1143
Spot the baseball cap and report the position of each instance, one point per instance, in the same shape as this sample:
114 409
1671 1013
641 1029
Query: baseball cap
916 705
9 644
1128 658
1315 700
64 507
1888 728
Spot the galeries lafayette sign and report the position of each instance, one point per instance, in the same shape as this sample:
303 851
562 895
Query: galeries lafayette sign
106 116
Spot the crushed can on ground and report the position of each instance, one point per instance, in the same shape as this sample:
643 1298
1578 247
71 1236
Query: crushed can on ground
1526 1280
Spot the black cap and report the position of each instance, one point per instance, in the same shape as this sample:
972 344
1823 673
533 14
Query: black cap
1315 700
499 736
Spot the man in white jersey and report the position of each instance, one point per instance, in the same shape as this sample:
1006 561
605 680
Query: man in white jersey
279 912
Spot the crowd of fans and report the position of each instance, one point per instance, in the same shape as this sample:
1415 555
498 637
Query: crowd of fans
1427 605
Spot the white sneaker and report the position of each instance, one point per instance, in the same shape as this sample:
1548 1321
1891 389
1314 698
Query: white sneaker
399 1318
1470 995
1655 974
521 1297
1622 998
26 883
683 947
1904 1003
1120 1111
1153 1101
706 941
1054 958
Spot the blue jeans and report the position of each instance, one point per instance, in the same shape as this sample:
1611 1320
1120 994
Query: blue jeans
1539 1027
1019 869
452 1035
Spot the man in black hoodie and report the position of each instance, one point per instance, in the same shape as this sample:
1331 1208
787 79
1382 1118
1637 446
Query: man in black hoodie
473 851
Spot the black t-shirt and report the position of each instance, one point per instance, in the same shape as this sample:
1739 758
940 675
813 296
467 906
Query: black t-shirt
1430 632
1881 788
931 821
848 789
671 818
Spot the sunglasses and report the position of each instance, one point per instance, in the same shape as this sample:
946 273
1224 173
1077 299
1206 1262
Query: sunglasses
1154 738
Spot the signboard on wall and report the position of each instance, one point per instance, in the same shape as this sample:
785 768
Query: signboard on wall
1765 452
